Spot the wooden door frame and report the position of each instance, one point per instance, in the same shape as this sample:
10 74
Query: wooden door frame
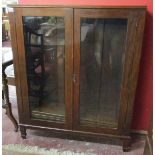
135 28
24 109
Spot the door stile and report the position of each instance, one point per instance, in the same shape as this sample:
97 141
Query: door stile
69 67
76 68
22 64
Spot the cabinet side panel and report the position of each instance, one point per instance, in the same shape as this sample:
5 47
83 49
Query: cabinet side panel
131 69
140 23
16 63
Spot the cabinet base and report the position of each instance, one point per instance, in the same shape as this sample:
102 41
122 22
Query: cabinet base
82 136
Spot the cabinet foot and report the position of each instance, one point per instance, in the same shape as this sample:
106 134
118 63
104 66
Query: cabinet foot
23 132
126 145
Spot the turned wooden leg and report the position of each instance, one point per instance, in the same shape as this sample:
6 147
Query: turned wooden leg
126 145
5 98
23 132
9 114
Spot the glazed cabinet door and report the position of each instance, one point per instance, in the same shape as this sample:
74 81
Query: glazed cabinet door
45 49
107 44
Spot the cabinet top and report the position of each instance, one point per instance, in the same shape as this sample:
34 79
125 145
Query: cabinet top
77 6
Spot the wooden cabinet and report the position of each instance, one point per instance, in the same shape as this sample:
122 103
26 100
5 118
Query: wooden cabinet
77 68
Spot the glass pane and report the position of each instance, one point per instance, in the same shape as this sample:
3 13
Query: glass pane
45 60
102 58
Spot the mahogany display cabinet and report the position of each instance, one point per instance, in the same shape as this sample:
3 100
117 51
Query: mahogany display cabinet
76 69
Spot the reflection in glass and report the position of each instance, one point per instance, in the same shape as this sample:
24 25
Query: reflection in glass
102 58
44 51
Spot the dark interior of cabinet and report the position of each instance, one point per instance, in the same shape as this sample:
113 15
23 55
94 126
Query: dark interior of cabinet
45 59
102 58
